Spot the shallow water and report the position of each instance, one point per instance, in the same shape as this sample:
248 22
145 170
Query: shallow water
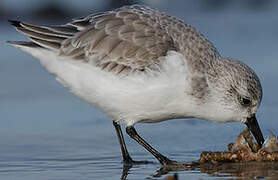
47 133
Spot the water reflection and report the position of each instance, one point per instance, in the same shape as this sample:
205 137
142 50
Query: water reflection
250 169
125 172
235 170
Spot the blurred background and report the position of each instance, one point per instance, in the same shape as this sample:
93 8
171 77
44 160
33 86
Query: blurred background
57 10
48 133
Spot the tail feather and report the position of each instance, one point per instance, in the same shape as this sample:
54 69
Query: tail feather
30 47
49 37
50 45
44 30
64 29
41 36
14 23
24 43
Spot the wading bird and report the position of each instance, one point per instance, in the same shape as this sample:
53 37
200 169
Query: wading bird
140 65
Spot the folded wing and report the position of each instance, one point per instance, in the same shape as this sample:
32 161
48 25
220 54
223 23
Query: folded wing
131 38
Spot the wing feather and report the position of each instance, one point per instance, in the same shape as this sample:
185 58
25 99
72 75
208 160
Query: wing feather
127 39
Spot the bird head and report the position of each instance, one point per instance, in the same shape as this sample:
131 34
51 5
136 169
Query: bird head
236 93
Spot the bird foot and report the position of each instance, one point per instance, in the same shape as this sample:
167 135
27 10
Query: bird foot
129 161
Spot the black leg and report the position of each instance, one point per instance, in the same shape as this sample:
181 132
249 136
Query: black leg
126 157
162 159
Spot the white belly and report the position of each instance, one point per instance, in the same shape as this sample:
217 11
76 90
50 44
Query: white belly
141 97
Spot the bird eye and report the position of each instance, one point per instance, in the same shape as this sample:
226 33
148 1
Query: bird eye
245 101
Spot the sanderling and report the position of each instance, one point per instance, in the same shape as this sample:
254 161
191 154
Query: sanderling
137 64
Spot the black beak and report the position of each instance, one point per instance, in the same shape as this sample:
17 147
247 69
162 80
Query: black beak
253 125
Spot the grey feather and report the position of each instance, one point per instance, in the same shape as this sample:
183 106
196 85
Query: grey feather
133 36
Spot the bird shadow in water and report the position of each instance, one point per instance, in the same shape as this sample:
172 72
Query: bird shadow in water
240 170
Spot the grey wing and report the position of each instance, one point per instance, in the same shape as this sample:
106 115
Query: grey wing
129 38
122 37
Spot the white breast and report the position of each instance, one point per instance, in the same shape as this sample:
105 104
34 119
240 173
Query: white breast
149 96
